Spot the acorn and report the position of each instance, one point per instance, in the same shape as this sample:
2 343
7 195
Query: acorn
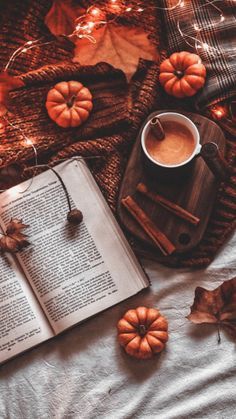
75 216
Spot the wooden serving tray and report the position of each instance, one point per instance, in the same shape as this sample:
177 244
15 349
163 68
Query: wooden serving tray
196 192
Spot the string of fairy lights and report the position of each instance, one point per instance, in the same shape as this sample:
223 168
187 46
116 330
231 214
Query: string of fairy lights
108 12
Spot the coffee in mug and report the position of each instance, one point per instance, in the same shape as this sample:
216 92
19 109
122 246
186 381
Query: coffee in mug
175 148
180 144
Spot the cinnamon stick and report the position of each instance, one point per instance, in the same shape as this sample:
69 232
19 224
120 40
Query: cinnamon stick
157 129
171 206
159 238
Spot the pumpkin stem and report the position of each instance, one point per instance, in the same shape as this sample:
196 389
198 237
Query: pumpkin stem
142 330
71 101
178 73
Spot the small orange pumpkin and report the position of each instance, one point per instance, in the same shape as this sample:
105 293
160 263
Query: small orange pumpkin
182 74
142 332
69 104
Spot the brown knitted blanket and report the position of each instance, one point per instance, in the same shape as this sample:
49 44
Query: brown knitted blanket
27 105
119 111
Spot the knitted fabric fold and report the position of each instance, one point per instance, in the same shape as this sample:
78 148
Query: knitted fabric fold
29 116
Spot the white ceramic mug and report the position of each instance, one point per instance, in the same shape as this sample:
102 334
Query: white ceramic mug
173 117
208 151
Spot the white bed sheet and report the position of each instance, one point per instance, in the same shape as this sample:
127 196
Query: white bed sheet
85 374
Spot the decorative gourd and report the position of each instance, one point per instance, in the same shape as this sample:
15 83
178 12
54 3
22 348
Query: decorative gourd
142 332
69 103
182 74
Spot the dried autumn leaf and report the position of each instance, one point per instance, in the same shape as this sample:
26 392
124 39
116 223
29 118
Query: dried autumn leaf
14 226
217 306
7 84
14 240
60 19
120 46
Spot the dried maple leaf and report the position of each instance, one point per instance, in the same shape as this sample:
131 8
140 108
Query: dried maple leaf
13 239
60 19
7 84
120 46
217 306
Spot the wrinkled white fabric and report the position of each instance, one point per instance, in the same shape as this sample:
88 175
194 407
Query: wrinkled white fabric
85 374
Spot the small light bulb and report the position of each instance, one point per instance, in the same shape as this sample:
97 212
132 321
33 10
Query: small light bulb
28 141
222 18
115 6
24 50
91 25
140 10
205 46
219 112
128 9
29 43
95 11
196 27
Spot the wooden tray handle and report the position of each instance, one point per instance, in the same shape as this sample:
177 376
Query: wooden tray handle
215 161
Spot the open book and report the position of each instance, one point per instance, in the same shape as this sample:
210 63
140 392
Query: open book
68 273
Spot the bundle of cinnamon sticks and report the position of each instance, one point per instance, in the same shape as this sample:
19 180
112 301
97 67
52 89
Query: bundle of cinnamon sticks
156 235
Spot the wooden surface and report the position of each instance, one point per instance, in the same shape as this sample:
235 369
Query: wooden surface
196 192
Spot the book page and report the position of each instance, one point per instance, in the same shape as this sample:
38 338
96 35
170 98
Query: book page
22 321
75 271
